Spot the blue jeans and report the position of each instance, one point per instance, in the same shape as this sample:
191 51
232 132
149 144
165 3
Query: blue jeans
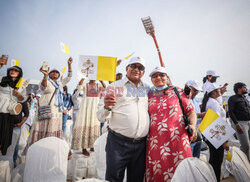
65 118
196 149
17 143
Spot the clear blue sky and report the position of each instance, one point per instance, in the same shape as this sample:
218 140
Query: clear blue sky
193 35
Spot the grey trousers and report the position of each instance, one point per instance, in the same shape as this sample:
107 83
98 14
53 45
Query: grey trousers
244 137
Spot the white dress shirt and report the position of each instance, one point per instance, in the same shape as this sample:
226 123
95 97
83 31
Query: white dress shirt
129 116
216 107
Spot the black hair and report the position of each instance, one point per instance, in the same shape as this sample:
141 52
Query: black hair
74 91
204 101
65 88
213 79
237 86
205 79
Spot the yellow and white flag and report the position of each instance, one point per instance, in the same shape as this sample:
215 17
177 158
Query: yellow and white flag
22 84
129 55
15 62
215 128
97 68
64 48
63 70
19 83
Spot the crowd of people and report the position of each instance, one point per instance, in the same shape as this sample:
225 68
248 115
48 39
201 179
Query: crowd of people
150 129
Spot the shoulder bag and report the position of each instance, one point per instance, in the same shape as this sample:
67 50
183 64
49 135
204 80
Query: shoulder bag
44 112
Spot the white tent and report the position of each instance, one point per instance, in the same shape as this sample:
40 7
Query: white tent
194 169
240 165
5 171
46 160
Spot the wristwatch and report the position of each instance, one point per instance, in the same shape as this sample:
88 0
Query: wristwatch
107 109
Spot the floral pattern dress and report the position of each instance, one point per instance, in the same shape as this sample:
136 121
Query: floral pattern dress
168 141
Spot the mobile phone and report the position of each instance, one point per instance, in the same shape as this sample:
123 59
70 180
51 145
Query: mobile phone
4 59
187 90
45 66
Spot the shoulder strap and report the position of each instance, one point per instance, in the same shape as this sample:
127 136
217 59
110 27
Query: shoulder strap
185 117
179 98
52 96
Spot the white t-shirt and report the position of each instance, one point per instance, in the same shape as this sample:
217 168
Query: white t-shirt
216 107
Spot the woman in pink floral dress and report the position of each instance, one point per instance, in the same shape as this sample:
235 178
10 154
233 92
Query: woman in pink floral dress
168 141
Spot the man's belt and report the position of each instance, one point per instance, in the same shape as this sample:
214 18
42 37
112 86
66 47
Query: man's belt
132 140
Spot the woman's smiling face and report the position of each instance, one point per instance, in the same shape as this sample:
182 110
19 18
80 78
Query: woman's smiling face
159 79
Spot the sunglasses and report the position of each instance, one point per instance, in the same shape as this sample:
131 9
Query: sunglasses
159 74
134 66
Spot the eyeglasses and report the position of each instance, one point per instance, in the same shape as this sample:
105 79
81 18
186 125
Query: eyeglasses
134 66
159 74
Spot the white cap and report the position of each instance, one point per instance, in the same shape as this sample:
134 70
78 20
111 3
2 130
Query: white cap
212 72
54 69
158 69
195 84
211 87
38 95
137 60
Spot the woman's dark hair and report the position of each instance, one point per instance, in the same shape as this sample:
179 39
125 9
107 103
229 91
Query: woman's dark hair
7 80
204 101
74 91
205 79
237 86
213 79
65 89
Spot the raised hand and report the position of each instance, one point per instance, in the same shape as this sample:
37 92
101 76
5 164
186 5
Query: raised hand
45 72
70 60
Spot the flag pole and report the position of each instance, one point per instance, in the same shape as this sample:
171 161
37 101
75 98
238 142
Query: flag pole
149 27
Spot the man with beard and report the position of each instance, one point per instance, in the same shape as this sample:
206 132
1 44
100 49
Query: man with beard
239 111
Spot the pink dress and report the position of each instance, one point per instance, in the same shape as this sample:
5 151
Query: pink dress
168 141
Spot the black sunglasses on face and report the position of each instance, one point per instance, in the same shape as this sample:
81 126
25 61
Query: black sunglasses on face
159 74
134 66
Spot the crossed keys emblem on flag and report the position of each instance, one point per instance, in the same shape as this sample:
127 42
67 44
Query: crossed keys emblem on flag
87 65
216 132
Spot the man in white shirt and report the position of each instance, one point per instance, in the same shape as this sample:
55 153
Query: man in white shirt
194 87
127 112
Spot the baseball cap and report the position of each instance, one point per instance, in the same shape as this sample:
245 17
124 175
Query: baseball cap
137 60
54 69
212 72
195 84
158 69
211 87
